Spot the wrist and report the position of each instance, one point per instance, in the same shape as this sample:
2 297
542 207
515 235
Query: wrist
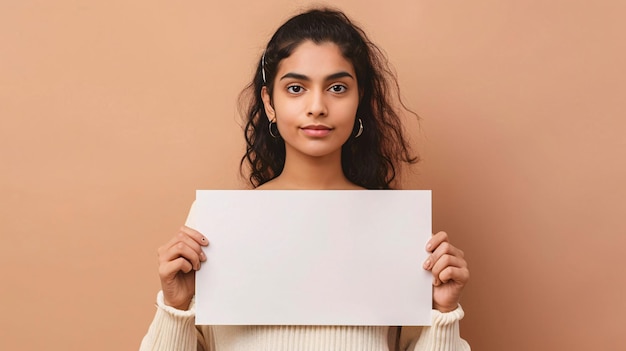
172 311
445 308
182 307
180 304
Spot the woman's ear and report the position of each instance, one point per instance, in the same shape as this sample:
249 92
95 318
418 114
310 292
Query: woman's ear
267 103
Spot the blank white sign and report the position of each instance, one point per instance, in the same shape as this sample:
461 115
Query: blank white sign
313 257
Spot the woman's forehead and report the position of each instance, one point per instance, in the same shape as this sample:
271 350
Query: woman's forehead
315 60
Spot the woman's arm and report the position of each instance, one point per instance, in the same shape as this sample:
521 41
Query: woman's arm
173 327
450 275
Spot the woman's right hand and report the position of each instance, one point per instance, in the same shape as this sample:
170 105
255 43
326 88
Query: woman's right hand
179 259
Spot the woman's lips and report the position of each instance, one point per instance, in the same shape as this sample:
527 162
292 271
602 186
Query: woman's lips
316 130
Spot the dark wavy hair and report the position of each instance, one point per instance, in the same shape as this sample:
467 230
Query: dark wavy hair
370 161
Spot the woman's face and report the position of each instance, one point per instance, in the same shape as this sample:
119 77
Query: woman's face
314 101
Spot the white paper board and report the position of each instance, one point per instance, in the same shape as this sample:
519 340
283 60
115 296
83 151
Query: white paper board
313 257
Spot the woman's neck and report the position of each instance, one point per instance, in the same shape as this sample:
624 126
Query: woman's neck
302 172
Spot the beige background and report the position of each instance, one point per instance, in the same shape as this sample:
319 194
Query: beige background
113 112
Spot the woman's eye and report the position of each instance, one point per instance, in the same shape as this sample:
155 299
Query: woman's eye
294 89
338 88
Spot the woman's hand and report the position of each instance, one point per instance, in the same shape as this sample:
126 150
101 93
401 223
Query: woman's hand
179 259
450 272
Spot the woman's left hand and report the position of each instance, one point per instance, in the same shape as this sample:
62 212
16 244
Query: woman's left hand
450 272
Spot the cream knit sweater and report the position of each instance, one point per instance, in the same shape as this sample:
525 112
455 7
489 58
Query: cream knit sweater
175 330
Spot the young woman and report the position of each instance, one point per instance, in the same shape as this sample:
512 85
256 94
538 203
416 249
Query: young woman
320 115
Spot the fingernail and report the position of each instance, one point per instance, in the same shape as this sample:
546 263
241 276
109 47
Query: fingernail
428 246
203 239
427 264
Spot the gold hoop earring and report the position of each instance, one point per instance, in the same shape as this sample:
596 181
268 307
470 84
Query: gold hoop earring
273 122
360 131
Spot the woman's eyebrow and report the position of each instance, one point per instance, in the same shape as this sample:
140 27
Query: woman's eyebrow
338 75
333 76
295 76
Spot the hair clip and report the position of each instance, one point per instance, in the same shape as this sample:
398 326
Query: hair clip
263 67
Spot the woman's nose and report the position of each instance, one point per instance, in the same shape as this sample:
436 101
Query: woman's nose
317 105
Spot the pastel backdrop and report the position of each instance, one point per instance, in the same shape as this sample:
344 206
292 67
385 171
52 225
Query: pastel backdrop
113 113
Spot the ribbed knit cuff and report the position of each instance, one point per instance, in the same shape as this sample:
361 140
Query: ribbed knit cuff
191 312
441 319
171 329
443 334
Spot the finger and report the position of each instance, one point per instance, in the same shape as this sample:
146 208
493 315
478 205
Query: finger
196 235
182 237
198 239
436 240
445 248
459 275
444 262
181 249
168 270
179 237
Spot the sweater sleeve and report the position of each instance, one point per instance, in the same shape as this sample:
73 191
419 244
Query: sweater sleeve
442 335
173 329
